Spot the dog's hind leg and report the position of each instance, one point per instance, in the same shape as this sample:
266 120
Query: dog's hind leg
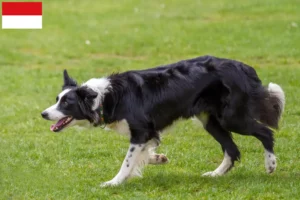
250 126
231 152
265 135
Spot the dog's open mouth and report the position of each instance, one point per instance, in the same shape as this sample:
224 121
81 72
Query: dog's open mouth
61 124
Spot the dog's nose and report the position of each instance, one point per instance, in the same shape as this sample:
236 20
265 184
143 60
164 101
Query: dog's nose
44 115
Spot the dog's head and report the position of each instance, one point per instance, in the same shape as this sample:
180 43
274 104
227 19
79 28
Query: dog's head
73 106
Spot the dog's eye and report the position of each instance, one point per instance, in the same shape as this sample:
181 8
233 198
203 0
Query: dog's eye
65 103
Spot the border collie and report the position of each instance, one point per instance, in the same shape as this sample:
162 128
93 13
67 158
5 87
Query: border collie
225 95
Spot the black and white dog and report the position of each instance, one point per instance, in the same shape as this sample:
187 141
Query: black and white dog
225 95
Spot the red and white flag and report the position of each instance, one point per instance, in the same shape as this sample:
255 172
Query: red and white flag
22 15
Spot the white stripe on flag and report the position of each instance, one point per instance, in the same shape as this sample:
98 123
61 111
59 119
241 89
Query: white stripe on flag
22 22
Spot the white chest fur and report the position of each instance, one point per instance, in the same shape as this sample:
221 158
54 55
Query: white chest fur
121 127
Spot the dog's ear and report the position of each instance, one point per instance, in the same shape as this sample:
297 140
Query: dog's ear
86 93
86 102
68 82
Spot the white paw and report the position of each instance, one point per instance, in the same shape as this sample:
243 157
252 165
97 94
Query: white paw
110 183
211 174
157 159
270 162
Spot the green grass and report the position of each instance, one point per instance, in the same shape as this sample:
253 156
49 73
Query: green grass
37 164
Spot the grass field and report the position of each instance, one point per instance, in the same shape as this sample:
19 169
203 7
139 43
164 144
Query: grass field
95 38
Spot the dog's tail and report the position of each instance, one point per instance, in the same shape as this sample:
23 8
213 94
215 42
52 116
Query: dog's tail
272 105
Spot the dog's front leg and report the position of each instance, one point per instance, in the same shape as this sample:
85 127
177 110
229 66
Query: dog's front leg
136 155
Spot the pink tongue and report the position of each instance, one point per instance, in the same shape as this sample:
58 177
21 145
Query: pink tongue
58 124
52 127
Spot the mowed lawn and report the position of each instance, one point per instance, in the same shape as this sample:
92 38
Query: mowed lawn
95 38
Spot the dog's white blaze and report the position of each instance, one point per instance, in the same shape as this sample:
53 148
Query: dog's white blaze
223 168
99 85
63 93
270 161
136 158
53 112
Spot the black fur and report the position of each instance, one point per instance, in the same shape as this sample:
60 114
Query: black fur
229 91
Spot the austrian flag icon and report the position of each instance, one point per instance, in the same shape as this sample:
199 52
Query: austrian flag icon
22 15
